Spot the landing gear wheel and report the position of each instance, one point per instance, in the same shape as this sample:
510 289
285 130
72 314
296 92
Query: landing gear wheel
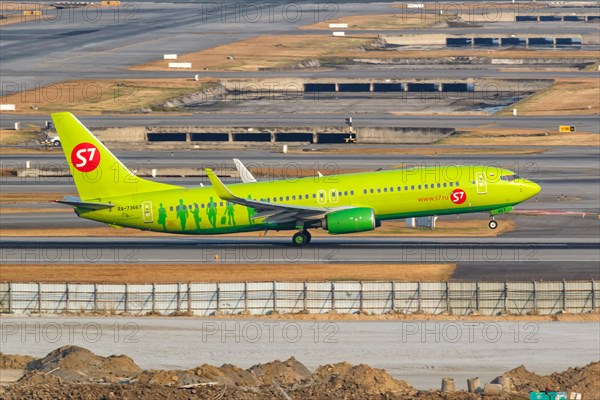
308 236
493 224
300 239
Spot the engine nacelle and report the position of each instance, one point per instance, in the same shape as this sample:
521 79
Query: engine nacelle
350 221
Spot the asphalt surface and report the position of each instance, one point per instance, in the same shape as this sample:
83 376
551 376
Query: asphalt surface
102 42
420 352
582 123
481 259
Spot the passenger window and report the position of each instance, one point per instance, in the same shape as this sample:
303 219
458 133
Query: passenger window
280 198
352 192
345 193
287 198
412 187
399 188
371 191
419 187
405 187
426 186
364 191
221 204
438 185
294 197
456 183
444 184
392 189
378 190
314 196
451 184
385 189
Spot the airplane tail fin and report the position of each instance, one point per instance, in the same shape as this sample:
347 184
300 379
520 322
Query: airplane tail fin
97 173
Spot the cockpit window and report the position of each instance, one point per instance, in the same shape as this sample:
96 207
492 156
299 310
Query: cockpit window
509 178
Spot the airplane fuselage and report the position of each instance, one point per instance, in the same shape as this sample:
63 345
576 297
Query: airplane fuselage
392 194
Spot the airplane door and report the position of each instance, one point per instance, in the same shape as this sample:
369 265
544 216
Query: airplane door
321 197
147 212
333 195
481 183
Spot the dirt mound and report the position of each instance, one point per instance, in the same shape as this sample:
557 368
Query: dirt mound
76 364
132 391
14 361
287 372
584 380
168 378
524 381
359 378
227 374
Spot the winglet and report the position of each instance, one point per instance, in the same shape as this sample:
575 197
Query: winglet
219 187
245 175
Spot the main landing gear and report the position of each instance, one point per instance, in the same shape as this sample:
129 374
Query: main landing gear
301 238
493 224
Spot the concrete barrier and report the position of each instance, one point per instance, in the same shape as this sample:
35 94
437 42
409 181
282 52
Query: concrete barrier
169 56
448 385
7 107
492 389
339 34
473 385
338 26
204 298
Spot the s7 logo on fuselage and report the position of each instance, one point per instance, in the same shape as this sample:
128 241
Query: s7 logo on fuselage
458 196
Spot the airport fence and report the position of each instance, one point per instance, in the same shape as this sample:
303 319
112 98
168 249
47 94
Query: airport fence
203 299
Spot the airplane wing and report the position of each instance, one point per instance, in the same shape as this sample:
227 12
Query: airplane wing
76 202
246 175
272 212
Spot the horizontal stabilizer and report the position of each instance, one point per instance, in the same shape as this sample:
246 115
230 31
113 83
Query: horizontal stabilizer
76 202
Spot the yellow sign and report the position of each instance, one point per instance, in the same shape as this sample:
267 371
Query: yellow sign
567 128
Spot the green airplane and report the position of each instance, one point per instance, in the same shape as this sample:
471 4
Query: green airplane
345 203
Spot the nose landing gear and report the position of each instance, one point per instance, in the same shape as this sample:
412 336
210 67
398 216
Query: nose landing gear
493 224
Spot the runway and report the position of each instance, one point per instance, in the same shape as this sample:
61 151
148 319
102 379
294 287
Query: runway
483 259
582 123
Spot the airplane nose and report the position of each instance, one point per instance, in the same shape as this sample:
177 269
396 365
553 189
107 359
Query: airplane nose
530 189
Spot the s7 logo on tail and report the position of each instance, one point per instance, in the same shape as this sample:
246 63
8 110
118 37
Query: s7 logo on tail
85 157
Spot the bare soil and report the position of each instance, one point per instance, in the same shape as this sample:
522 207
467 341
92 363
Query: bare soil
74 372
584 380
375 22
31 198
266 52
94 97
11 137
566 96
522 137
13 11
430 151
221 272
313 51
